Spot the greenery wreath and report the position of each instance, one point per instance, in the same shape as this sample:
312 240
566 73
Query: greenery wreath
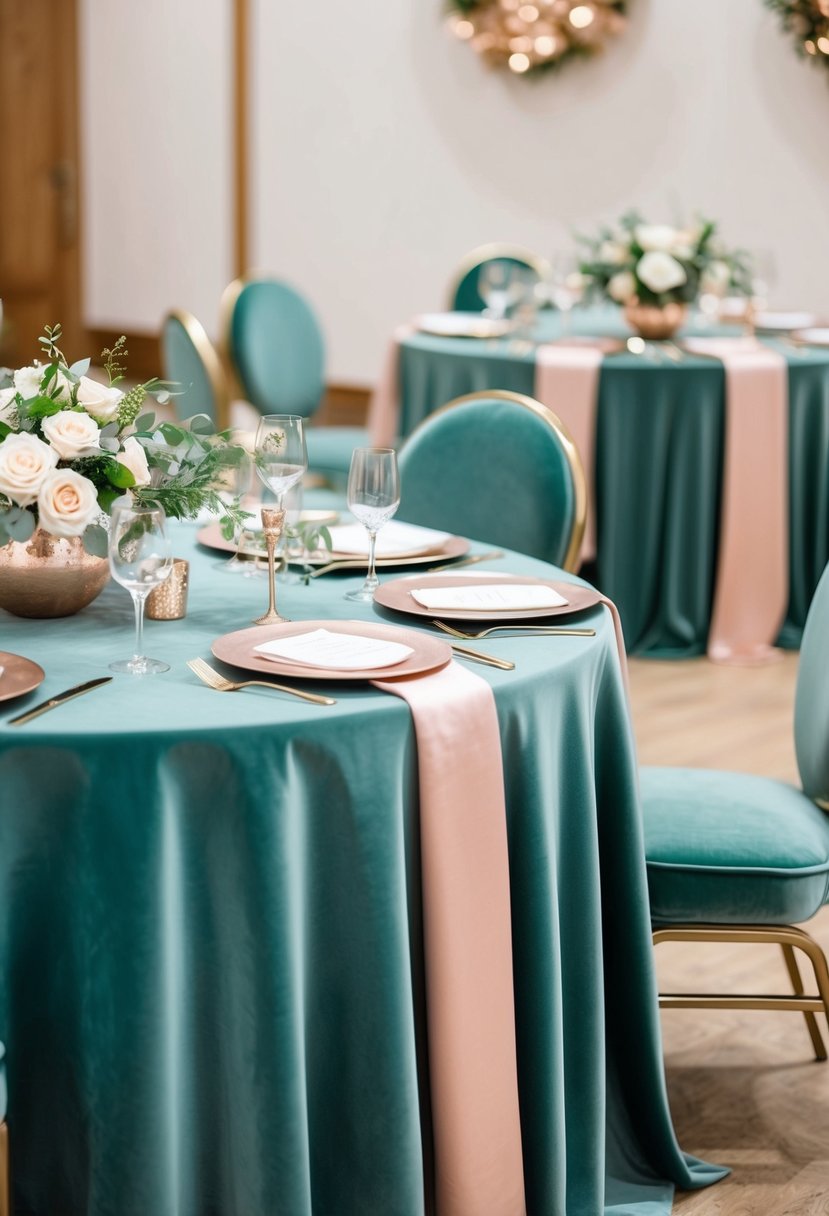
808 22
534 36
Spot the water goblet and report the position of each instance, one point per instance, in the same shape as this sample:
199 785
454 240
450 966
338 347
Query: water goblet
281 460
566 288
140 558
373 497
501 285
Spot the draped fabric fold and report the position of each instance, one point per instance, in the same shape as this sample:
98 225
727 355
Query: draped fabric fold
751 592
467 944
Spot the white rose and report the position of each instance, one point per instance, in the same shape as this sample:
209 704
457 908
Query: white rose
658 237
72 434
612 253
716 278
134 458
682 250
98 399
660 272
622 287
27 382
25 462
67 503
7 405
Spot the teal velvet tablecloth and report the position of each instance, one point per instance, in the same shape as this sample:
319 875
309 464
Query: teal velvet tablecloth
210 945
658 469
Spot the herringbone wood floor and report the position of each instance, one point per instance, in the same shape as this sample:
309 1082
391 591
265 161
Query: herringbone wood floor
745 1089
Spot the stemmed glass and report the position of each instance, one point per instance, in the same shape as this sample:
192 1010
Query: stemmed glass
502 285
281 460
373 497
565 287
245 539
140 558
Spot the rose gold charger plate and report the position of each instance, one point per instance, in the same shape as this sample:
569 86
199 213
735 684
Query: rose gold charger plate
396 594
456 546
19 675
211 534
237 649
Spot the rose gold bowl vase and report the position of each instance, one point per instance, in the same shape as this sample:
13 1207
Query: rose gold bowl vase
49 576
654 322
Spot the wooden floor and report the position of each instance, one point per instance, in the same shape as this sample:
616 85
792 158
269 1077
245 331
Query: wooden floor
745 1089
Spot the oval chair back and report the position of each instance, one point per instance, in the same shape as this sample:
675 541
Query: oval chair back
190 359
275 346
464 294
501 468
811 707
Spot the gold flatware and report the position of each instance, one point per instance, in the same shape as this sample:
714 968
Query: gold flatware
209 676
555 631
491 556
77 691
344 563
477 656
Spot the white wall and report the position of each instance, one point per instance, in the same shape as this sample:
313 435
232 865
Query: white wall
156 152
383 151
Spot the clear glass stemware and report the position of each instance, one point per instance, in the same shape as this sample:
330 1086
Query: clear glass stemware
281 460
373 497
140 558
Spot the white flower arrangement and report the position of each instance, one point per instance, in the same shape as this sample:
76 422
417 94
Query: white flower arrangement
70 445
658 264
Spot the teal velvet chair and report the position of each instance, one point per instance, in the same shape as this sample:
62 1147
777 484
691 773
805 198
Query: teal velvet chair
463 294
501 468
5 1198
275 346
739 858
190 359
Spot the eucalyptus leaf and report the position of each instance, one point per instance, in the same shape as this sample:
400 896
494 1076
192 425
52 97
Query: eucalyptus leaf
21 526
145 423
80 368
201 424
109 444
96 541
110 430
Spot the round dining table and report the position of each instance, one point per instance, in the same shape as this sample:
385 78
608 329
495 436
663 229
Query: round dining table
658 462
211 947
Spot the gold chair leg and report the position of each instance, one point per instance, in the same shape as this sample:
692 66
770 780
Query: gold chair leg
799 990
5 1192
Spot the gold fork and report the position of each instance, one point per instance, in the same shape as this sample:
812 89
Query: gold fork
209 676
555 631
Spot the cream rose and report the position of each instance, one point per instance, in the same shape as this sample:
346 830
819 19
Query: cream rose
7 406
67 503
72 434
612 253
134 458
25 462
657 237
98 399
27 383
660 272
622 287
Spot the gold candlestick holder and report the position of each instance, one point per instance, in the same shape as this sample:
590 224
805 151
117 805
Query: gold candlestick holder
273 521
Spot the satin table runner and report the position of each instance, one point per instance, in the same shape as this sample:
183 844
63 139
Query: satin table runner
467 943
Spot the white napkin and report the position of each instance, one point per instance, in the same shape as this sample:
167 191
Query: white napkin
489 597
343 651
395 540
2 669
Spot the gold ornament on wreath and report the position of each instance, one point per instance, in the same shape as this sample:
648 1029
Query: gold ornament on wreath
534 36
808 21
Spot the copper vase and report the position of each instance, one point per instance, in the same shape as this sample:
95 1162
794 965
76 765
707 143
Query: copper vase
49 576
653 321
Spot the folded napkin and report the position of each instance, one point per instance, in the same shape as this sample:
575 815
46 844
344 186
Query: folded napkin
395 540
492 597
340 651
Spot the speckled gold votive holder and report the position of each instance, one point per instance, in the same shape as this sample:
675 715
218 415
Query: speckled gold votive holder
168 602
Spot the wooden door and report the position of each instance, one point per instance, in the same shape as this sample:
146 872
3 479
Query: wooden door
39 199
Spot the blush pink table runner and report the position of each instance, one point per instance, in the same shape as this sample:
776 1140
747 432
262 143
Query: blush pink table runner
467 943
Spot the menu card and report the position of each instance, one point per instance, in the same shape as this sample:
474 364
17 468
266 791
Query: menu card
342 651
396 539
489 597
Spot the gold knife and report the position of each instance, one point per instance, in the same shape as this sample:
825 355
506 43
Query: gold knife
478 656
45 706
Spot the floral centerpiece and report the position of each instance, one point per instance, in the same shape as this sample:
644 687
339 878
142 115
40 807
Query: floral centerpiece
70 445
655 270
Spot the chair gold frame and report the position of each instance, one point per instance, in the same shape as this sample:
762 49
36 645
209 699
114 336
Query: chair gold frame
491 252
571 557
211 362
5 1176
789 939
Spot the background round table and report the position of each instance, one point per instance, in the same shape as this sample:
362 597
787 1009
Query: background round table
658 466
210 928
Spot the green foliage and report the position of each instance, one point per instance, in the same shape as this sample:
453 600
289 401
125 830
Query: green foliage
130 405
808 22
48 341
111 358
96 540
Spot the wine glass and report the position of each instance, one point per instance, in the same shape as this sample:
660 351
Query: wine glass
140 558
502 285
566 287
247 540
281 460
373 497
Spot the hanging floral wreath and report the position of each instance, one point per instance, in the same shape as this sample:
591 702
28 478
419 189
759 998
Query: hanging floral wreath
531 36
808 22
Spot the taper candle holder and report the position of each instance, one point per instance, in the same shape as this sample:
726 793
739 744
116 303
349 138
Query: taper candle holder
273 521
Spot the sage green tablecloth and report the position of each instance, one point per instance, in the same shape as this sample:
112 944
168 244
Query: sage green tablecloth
658 469
210 944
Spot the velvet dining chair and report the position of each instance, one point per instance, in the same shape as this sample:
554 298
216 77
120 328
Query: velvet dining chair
464 294
275 346
501 468
739 858
192 362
